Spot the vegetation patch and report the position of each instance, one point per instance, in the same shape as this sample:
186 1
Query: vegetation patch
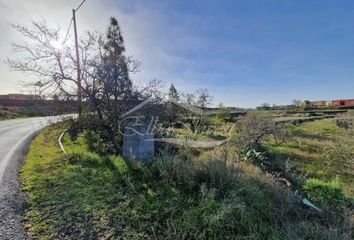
83 195
328 193
11 113
320 149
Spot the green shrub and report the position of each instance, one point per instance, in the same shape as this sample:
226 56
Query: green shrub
95 143
340 155
328 193
344 123
222 116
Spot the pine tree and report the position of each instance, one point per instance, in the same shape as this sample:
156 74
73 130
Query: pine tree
173 93
114 72
171 107
116 95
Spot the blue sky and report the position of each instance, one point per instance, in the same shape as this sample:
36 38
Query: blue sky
244 52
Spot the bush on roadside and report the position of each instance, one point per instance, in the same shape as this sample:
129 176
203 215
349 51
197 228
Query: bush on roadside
95 143
93 132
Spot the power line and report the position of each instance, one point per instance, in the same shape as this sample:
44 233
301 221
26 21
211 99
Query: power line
68 30
71 21
80 5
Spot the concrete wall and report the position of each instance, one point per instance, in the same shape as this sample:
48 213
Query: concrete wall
137 144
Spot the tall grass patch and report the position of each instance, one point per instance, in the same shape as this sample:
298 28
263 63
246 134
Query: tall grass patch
84 195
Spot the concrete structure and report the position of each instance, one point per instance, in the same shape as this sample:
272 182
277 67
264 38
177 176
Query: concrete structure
138 144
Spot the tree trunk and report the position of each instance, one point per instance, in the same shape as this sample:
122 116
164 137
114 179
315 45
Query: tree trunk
109 130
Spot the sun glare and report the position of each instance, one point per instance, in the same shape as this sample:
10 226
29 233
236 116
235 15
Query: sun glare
56 44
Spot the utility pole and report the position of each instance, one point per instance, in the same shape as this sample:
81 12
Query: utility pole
79 100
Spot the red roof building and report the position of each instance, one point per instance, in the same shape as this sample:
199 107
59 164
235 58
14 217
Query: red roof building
343 103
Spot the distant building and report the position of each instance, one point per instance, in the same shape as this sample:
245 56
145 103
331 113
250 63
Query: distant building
334 103
319 103
4 97
16 96
343 103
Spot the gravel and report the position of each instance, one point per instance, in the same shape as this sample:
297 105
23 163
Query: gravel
15 136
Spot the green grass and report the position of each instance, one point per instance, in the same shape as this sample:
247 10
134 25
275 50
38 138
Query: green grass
307 146
326 127
86 196
329 193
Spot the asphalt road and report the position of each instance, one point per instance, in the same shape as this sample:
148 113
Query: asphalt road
15 136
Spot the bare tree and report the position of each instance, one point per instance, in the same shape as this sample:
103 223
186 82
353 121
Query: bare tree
105 72
193 112
253 128
45 57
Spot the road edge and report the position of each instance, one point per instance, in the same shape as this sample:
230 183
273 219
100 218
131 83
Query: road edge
13 202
